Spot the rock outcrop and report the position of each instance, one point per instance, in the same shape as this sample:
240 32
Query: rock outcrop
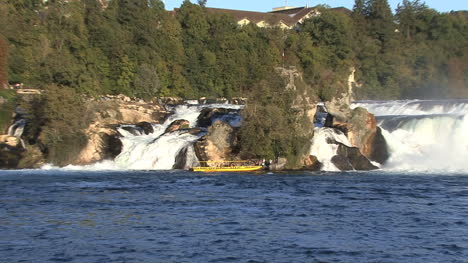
177 125
311 163
207 115
360 127
11 151
350 158
305 101
145 127
219 144
103 143
112 111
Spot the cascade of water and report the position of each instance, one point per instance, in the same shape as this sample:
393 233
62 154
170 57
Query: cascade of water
324 151
158 150
17 128
149 153
414 107
424 135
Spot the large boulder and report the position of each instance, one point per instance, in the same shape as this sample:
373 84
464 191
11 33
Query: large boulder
146 127
350 158
103 143
10 141
186 158
360 127
219 144
207 115
311 163
177 125
11 151
278 165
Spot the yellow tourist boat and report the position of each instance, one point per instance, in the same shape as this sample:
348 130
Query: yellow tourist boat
227 166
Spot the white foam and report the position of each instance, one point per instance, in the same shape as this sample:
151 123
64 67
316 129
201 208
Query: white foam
324 151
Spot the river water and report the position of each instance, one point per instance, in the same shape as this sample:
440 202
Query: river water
180 216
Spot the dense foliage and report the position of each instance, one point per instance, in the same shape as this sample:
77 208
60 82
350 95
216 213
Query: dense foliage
56 123
137 48
3 64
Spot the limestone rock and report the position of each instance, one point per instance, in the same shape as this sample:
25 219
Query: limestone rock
311 163
10 141
360 127
218 144
103 143
279 165
177 125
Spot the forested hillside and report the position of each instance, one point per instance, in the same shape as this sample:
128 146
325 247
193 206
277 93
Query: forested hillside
137 48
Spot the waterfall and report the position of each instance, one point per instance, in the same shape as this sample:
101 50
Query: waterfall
159 150
323 150
17 128
424 135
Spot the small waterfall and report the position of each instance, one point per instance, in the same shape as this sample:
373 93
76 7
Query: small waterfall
323 149
424 135
17 128
150 153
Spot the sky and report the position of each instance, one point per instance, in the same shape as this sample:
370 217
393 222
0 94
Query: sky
265 6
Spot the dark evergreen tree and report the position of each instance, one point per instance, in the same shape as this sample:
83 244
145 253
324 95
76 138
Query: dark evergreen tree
3 64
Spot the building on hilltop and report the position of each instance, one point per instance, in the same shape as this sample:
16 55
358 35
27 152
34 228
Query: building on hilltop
282 17
285 17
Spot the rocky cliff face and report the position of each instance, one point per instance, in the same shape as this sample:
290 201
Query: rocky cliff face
359 126
219 144
103 138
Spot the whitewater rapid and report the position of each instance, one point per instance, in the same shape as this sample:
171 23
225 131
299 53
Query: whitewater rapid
423 135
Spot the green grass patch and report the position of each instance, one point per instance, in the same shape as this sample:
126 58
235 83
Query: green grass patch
7 109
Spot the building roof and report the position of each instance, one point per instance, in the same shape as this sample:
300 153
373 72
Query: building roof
279 17
289 17
255 17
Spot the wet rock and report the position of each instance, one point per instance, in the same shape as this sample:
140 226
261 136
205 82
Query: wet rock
207 115
186 158
350 158
146 127
132 129
311 163
279 165
111 146
181 159
195 131
177 125
360 127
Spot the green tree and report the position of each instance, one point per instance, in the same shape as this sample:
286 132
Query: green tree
3 64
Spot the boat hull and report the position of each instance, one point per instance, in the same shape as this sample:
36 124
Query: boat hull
227 169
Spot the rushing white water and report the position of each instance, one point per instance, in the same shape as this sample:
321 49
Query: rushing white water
325 151
17 128
414 107
424 135
158 150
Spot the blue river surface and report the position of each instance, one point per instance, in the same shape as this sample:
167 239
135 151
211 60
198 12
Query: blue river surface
179 216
